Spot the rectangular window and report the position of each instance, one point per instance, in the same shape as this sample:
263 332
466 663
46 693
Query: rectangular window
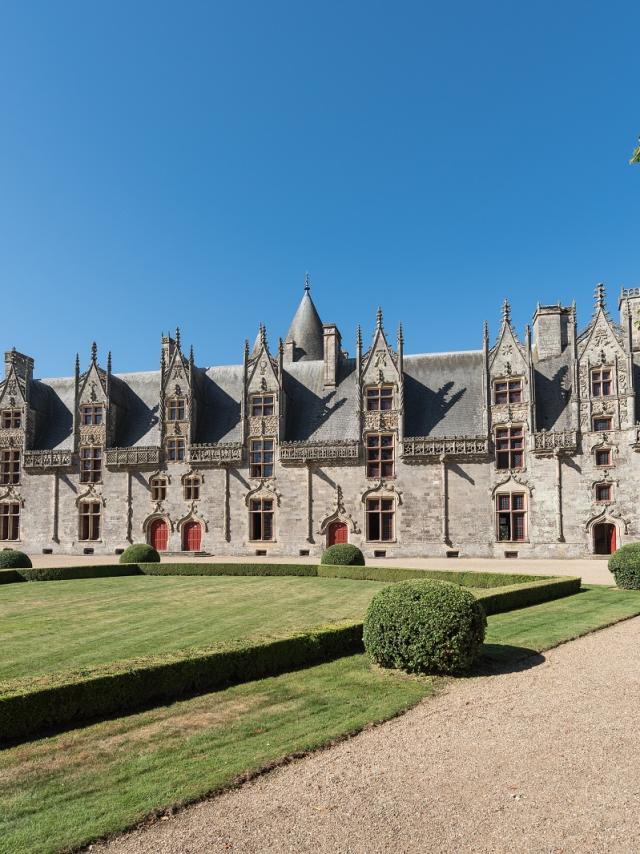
9 466
509 447
176 450
90 465
261 519
11 419
176 409
603 457
379 398
90 520
604 491
192 488
380 520
10 521
602 425
158 487
511 517
508 391
91 414
262 405
380 455
601 382
261 458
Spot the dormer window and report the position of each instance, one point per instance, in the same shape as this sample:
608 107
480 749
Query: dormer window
262 405
176 449
90 464
507 391
191 487
379 398
603 424
601 383
11 419
261 458
9 466
176 409
380 455
91 414
510 447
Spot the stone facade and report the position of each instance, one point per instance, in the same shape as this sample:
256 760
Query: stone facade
524 446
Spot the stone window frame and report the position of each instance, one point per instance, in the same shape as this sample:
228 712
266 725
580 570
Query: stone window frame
601 498
10 466
9 516
602 418
603 450
512 396
260 508
91 414
511 450
191 484
90 463
259 466
374 456
11 419
376 395
259 406
176 449
158 487
380 512
90 516
176 408
512 512
597 380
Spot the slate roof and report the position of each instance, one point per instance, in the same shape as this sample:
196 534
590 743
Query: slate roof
306 331
315 412
553 392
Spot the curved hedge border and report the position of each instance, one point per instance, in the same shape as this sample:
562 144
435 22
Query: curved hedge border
32 706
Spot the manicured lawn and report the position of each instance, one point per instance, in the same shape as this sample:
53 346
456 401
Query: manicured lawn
68 789
68 625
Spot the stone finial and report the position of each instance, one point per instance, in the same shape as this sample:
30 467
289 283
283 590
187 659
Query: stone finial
358 337
379 318
307 283
109 362
400 334
77 363
263 334
191 354
246 348
178 337
506 312
94 353
600 296
485 331
280 346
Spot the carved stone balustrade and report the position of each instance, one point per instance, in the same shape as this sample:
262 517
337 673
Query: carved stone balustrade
319 452
430 449
558 440
216 454
41 460
381 420
135 457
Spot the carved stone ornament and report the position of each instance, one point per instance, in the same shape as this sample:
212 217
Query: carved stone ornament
512 480
608 514
12 494
338 513
193 515
383 488
157 513
265 489
91 494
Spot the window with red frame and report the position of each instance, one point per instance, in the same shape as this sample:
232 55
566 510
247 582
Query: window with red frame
509 447
90 520
11 419
511 517
601 382
9 466
602 425
10 520
261 519
380 520
507 391
603 457
604 491
380 455
379 398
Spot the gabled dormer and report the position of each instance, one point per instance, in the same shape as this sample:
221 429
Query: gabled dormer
178 404
380 375
16 418
92 416
605 378
263 403
509 375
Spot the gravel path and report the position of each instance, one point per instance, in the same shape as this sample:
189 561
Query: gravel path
541 760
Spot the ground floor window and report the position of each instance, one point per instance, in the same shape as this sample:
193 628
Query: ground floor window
261 519
10 520
511 517
90 520
380 519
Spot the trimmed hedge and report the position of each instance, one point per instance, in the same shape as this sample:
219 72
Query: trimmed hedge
392 573
229 569
140 553
625 566
424 627
522 595
29 707
14 559
342 554
66 573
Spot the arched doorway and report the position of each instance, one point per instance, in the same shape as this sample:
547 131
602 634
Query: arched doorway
159 535
604 538
191 536
337 533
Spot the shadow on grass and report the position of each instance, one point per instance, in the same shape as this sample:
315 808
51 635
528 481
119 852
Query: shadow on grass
506 658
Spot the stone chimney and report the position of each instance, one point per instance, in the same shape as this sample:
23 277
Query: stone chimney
332 345
23 365
551 328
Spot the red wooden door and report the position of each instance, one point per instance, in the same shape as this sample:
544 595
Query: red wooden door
338 533
612 539
191 537
159 535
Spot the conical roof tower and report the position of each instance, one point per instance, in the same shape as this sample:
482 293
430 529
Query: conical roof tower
306 329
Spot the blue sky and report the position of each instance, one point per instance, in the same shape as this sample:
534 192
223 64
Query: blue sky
168 164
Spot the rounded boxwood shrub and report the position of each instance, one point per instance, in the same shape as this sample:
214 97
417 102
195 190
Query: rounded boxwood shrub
140 553
14 559
625 566
344 554
424 627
